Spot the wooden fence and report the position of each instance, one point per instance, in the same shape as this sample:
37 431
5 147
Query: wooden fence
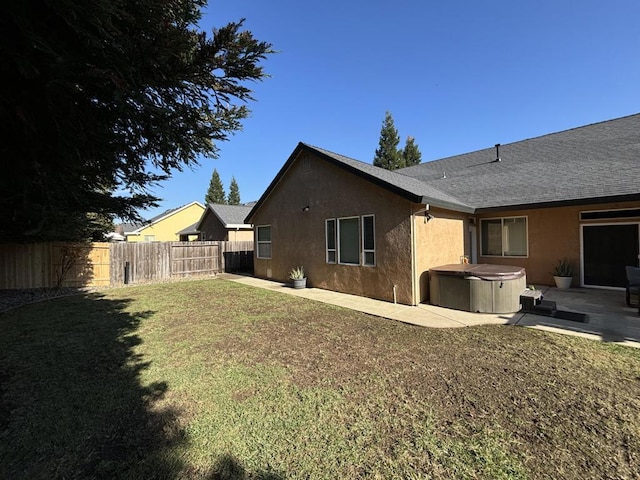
104 264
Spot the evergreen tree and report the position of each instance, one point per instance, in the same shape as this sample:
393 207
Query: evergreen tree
387 154
215 194
234 193
410 154
102 100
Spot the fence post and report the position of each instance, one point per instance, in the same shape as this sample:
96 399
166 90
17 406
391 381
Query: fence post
222 250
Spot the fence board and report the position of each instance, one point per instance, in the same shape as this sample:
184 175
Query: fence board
39 265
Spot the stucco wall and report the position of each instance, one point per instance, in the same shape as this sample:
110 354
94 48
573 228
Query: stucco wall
298 237
212 229
553 233
439 241
240 235
166 230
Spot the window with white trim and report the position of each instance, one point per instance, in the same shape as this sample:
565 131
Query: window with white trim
263 241
351 240
149 238
330 229
504 237
368 241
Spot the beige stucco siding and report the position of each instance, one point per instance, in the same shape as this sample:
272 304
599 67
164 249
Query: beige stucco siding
438 241
553 233
298 237
240 235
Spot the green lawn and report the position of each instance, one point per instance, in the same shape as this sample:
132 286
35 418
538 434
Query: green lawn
212 379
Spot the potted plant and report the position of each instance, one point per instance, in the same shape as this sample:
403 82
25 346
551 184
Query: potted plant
563 273
297 275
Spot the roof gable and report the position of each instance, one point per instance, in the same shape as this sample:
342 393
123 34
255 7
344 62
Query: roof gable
405 186
230 216
136 228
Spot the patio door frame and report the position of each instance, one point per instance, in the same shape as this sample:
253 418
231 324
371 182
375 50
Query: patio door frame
603 224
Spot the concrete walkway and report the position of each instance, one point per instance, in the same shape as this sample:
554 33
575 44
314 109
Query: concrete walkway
621 326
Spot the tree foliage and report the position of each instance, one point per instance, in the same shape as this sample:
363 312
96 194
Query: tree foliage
411 154
234 193
388 155
215 193
104 99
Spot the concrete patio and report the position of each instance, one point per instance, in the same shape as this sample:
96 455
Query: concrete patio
610 320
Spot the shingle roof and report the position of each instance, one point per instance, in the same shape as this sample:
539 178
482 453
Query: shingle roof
594 163
190 230
393 180
231 215
597 161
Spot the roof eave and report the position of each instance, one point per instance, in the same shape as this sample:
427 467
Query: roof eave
562 203
242 226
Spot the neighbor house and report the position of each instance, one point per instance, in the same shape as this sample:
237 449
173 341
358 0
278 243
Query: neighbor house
364 230
165 227
225 223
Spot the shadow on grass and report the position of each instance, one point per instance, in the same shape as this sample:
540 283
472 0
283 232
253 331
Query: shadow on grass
71 400
229 468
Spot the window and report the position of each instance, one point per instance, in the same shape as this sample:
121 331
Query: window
149 238
350 241
263 235
504 237
331 240
368 241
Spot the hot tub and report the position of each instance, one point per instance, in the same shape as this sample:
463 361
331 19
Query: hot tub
479 288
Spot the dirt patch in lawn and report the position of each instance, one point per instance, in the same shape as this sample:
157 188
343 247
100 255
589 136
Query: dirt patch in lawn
553 396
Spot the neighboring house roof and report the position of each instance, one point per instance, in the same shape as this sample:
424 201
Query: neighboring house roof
591 164
190 230
134 228
231 216
594 163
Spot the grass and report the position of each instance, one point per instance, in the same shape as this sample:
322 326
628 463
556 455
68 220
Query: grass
215 380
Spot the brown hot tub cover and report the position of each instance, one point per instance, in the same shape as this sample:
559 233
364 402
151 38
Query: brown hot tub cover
483 271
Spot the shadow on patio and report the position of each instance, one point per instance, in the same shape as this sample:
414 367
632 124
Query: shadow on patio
609 317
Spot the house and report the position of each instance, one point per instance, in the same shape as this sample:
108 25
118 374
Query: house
225 223
367 231
165 227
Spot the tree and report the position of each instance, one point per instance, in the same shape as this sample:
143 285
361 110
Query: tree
104 99
387 154
215 193
411 154
234 193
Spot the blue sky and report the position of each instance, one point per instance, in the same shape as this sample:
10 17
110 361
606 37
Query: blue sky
456 75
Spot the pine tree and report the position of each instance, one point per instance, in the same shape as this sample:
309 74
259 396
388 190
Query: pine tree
410 154
387 154
215 194
234 193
